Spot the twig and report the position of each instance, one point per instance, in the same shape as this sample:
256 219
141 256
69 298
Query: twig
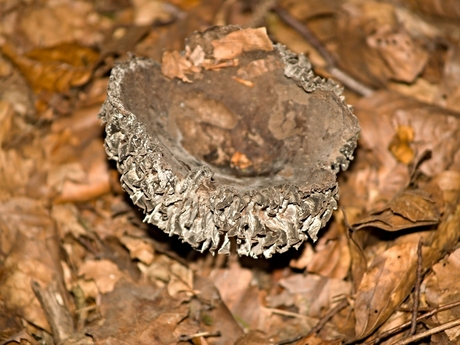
285 313
427 333
340 75
57 314
185 337
328 316
318 326
417 288
407 324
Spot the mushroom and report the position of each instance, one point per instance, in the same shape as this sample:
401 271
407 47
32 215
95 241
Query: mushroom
234 138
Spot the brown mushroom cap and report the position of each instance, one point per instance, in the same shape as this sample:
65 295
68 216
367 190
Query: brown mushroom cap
248 151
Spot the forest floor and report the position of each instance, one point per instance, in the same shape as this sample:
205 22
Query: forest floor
78 265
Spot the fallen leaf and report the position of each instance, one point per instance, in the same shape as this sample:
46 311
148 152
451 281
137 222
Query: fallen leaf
56 68
237 42
138 249
410 208
442 288
386 283
104 273
135 314
173 65
29 244
389 52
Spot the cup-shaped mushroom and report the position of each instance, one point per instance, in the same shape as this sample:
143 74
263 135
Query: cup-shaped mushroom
230 140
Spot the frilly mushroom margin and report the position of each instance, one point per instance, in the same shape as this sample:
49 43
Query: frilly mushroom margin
189 201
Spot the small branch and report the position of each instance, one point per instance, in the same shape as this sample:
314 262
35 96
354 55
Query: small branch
340 75
185 337
427 333
328 316
407 324
417 288
57 314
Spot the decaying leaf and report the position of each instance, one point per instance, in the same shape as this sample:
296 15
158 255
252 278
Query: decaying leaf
412 207
235 43
28 242
390 277
387 282
138 315
55 68
442 288
375 47
104 273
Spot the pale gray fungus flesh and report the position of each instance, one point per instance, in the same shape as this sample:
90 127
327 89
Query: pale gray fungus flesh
294 126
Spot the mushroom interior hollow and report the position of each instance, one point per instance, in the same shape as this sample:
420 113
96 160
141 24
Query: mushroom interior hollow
259 134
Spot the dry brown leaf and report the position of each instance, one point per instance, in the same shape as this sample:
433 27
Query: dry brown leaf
231 290
387 282
104 273
92 181
45 25
29 244
237 42
138 315
321 291
68 220
404 57
6 118
374 47
215 315
257 68
377 174
442 288
139 249
449 89
181 280
448 9
412 207
147 12
332 255
173 65
56 68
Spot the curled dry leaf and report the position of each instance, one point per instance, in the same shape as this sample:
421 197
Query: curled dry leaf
235 43
375 47
55 68
321 291
104 273
28 241
379 174
138 315
449 89
390 277
448 9
442 288
412 207
66 21
139 249
387 282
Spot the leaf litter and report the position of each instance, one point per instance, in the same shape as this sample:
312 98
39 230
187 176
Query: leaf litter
72 245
